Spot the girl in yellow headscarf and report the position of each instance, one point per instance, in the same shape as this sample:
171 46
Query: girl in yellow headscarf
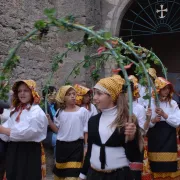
108 154
24 131
162 135
83 99
70 125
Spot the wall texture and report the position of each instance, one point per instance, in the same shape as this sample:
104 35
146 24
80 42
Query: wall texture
17 18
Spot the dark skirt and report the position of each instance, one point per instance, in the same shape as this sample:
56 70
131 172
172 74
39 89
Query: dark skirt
3 147
23 161
120 174
69 158
162 148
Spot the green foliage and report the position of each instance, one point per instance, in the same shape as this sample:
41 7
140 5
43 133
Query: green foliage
40 25
111 48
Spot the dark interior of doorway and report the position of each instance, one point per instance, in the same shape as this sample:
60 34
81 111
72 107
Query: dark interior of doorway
166 47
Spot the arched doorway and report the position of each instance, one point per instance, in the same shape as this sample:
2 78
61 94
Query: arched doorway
156 24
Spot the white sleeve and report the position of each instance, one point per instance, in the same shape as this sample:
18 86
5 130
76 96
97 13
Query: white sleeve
82 176
57 118
5 116
85 120
153 107
34 129
174 117
141 117
3 136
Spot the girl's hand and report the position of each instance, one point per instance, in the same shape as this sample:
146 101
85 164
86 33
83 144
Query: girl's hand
49 118
156 119
149 113
159 111
130 131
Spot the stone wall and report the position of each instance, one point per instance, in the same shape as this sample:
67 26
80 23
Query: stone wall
17 18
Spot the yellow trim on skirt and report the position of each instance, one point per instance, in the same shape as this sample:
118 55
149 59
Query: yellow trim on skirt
68 165
162 157
171 175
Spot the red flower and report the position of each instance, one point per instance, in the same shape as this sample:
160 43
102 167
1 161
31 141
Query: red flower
101 49
116 71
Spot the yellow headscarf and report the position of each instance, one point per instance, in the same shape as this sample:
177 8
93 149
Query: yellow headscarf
160 83
81 91
135 83
152 72
111 85
31 85
62 93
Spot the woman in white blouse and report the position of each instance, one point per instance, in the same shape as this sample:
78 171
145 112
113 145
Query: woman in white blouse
24 131
162 135
70 125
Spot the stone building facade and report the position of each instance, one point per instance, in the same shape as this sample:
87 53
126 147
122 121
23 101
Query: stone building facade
17 18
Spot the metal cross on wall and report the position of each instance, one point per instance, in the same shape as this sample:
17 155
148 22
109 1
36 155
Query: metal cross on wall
162 10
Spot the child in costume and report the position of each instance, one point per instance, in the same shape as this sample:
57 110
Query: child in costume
83 99
70 125
108 154
162 135
24 131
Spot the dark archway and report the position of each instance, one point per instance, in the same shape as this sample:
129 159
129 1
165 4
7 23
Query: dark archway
156 24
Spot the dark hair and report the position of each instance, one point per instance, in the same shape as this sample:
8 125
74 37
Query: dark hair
51 89
125 87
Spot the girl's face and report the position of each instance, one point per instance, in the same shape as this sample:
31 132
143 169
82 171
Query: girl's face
70 98
51 96
24 94
86 98
165 91
102 100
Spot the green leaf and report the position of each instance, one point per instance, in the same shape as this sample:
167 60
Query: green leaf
68 83
146 97
107 35
50 12
77 71
87 58
86 64
41 24
2 78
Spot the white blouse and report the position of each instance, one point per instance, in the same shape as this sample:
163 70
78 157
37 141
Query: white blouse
72 125
172 111
142 92
32 126
115 156
5 116
140 113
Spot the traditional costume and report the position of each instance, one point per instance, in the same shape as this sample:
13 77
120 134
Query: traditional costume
70 139
28 125
81 92
162 137
108 155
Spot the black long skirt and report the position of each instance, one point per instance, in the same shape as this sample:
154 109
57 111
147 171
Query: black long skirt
69 158
23 161
120 174
3 149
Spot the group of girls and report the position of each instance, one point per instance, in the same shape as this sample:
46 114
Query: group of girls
91 144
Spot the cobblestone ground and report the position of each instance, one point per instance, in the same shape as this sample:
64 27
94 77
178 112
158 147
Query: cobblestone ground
49 163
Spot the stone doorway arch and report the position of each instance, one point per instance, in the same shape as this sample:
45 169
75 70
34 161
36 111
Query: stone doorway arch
154 24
